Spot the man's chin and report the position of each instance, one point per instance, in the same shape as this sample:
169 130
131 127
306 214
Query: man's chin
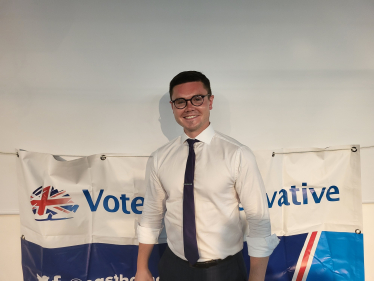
190 127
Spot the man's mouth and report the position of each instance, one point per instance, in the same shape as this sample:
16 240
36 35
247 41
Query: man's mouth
190 117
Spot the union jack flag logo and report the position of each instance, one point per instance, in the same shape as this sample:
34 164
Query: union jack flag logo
50 204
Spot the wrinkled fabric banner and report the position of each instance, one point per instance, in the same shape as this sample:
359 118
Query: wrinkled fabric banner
314 198
79 217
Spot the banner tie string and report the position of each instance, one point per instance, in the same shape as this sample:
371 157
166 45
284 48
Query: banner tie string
103 156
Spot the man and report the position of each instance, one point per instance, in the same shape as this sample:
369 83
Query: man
195 183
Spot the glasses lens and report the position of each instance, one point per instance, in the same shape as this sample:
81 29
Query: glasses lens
180 103
197 100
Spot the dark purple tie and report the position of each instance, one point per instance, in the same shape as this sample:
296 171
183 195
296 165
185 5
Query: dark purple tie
189 226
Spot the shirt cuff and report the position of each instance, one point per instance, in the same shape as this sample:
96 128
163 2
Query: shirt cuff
148 235
261 247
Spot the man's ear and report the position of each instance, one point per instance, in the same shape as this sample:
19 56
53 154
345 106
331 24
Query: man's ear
211 98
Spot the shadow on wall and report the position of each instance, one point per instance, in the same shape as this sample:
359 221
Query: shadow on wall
220 117
169 126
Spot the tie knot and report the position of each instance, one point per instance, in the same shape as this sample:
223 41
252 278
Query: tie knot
191 142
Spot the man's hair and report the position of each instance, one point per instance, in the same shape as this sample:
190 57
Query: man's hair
190 76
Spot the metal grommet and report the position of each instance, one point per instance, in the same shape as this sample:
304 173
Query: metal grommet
23 237
273 154
354 149
357 231
103 157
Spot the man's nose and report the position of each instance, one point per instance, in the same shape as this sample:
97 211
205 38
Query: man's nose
189 105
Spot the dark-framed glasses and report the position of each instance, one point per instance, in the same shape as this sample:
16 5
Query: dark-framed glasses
181 103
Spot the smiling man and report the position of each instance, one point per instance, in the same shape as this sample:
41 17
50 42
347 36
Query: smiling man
193 116
195 183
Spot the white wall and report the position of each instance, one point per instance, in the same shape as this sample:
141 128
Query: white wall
85 77
10 245
367 212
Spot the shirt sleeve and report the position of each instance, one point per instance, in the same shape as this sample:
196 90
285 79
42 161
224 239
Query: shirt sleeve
252 195
151 223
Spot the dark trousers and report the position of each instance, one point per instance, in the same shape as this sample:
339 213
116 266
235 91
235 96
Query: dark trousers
173 268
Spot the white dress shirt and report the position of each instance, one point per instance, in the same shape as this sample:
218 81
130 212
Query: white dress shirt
226 173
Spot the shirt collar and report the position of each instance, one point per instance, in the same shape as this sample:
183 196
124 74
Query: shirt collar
205 136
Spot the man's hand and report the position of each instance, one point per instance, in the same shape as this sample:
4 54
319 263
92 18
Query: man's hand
258 268
143 275
142 272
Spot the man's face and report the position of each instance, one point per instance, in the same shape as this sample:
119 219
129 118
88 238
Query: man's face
193 119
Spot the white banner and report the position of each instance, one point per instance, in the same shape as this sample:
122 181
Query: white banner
79 217
313 189
99 200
